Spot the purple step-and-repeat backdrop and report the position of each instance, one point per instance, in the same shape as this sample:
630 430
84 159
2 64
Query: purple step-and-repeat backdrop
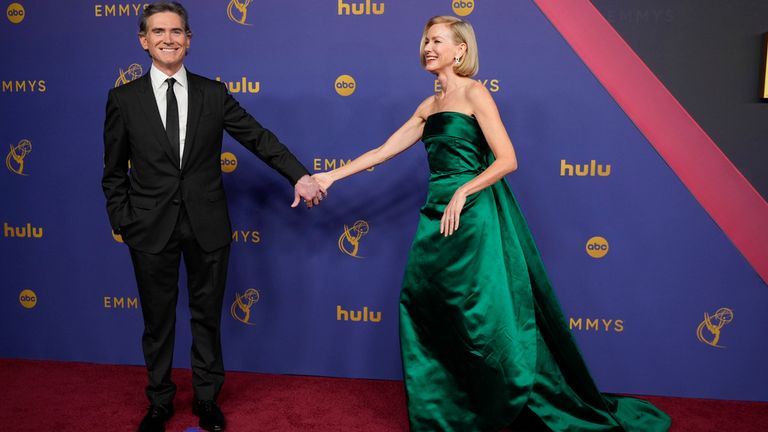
659 299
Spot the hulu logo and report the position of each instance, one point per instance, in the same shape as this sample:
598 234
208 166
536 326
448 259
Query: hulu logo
362 8
27 231
583 170
364 315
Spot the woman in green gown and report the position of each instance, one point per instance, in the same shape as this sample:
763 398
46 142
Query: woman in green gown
484 341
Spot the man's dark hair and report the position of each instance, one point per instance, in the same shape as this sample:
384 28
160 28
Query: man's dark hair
164 6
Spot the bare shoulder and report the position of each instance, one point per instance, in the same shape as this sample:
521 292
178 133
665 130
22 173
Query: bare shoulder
425 108
477 93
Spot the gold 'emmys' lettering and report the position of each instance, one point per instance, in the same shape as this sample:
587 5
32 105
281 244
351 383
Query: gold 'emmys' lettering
24 86
237 11
583 170
242 86
118 10
596 324
241 307
27 231
713 324
361 8
242 236
121 302
131 73
491 84
349 241
321 165
14 161
364 315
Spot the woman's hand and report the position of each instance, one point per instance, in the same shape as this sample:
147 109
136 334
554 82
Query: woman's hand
324 180
450 220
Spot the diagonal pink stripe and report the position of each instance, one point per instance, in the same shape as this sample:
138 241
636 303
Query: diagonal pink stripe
707 173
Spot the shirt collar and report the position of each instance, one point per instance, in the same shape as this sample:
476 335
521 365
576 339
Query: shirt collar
158 78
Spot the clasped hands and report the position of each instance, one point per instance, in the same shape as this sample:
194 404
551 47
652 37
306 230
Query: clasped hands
309 190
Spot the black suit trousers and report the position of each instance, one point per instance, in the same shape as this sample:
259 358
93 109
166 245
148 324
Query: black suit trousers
157 277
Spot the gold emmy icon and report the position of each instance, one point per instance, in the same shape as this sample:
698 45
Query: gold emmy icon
713 324
241 307
15 159
134 71
349 241
241 6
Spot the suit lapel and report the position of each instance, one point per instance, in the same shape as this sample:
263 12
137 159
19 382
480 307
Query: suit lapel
154 121
194 109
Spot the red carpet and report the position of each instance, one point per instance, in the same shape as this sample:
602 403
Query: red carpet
43 396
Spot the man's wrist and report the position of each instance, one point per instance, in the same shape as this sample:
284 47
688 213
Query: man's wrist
303 179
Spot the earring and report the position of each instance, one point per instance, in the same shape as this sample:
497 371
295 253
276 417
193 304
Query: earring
457 60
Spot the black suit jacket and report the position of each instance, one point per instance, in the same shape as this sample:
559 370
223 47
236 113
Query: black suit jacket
143 202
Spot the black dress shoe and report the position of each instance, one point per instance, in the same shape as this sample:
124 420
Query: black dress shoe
211 417
156 417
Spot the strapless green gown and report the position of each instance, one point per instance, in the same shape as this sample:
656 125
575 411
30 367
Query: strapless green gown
482 334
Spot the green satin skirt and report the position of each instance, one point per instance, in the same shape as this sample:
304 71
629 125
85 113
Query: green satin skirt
482 334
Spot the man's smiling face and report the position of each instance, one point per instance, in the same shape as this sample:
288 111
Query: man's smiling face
166 41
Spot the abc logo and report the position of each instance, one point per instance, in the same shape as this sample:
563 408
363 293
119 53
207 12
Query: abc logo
15 13
228 162
118 238
344 85
462 7
597 247
28 299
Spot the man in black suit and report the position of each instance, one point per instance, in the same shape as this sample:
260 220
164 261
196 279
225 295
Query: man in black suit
170 203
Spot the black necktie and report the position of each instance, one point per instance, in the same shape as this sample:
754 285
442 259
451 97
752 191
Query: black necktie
172 117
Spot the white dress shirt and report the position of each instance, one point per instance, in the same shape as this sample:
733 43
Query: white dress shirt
159 86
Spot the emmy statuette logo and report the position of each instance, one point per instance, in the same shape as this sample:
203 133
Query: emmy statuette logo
28 299
463 7
708 331
15 13
345 85
237 11
14 161
133 72
349 241
241 307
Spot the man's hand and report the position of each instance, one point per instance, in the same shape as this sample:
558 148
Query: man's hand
324 180
309 190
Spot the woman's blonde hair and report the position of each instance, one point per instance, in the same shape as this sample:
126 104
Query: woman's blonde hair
463 32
